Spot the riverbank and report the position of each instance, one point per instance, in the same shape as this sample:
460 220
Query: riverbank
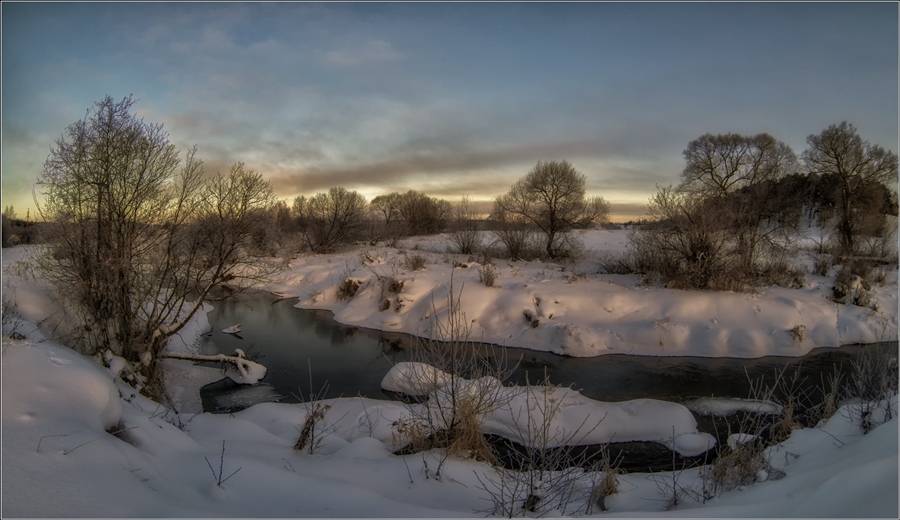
571 310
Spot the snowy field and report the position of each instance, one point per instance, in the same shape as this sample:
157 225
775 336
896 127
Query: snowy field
58 458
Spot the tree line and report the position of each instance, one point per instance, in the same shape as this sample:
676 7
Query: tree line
731 221
139 235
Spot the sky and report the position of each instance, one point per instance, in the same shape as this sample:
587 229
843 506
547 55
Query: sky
450 99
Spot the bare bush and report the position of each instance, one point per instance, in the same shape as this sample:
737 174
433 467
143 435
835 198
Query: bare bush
487 274
686 246
547 471
871 385
462 385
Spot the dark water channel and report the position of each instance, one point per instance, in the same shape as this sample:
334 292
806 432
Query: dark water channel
293 342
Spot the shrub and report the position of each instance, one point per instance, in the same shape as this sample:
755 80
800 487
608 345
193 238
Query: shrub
462 386
487 274
348 288
609 262
415 262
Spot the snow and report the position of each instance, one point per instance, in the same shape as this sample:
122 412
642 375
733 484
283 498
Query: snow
59 460
728 406
415 379
59 408
569 417
567 309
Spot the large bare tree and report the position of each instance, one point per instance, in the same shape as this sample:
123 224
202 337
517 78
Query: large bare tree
331 217
741 172
857 165
137 237
551 197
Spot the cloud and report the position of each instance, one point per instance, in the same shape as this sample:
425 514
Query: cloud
373 52
511 161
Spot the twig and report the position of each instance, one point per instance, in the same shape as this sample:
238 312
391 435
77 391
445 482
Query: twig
38 450
219 479
97 439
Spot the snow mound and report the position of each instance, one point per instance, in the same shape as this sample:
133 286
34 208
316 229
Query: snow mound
723 406
415 379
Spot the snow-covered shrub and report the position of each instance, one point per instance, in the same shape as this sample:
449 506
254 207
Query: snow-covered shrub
853 283
872 383
463 385
348 288
487 274
415 262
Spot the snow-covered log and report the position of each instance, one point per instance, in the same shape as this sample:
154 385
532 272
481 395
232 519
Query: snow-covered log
246 372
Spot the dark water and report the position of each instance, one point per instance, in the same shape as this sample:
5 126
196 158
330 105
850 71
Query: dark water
307 353
352 361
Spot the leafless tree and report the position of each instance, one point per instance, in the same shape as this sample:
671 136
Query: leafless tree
513 231
466 235
744 168
423 215
857 165
551 197
385 216
137 238
725 163
330 218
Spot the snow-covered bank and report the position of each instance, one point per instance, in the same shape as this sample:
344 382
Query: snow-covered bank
566 310
58 409
59 460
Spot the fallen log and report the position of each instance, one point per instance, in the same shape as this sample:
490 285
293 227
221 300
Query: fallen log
247 373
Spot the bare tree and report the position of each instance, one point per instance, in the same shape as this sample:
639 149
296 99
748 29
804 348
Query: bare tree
385 210
552 198
725 163
387 206
465 235
857 165
745 168
137 238
330 218
513 231
423 215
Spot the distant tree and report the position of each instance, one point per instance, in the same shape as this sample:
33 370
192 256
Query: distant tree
136 237
513 231
856 166
465 235
551 197
330 218
423 215
387 206
386 209
9 215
